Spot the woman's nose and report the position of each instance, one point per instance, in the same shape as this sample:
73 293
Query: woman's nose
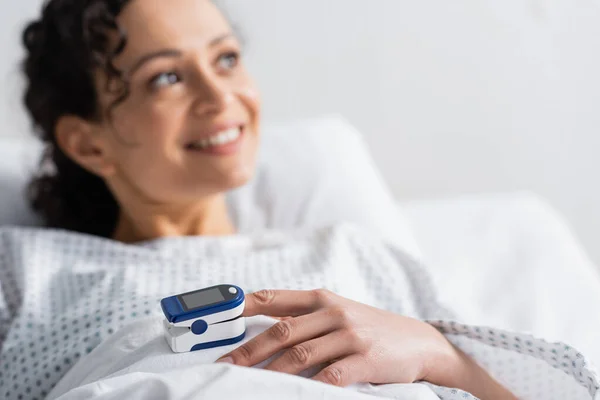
213 96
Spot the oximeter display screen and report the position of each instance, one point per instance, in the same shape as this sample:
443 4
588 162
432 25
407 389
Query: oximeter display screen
202 298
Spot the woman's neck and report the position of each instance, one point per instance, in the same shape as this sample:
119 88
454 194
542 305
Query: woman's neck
207 218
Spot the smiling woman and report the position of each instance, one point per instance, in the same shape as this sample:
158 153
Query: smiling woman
149 118
150 112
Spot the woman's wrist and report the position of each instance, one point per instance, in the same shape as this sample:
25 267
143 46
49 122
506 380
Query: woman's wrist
444 364
448 366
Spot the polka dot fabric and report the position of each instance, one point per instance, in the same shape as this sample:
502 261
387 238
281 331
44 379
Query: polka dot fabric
62 294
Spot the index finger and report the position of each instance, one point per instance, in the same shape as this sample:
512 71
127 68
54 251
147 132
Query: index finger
282 303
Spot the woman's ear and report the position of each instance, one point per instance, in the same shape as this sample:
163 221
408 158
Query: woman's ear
81 142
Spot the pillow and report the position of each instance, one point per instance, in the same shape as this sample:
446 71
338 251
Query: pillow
18 160
310 173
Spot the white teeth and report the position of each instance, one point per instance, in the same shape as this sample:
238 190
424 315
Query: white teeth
220 139
233 134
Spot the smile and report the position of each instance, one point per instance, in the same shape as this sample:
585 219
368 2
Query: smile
222 138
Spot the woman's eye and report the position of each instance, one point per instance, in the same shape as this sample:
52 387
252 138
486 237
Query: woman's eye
229 61
164 79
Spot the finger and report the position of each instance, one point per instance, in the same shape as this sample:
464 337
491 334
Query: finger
280 336
285 303
303 356
350 370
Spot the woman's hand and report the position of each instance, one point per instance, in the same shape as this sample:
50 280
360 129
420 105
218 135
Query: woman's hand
361 343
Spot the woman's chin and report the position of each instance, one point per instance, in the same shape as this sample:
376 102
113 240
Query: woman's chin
240 179
232 180
241 172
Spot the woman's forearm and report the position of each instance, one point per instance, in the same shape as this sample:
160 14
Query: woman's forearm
457 370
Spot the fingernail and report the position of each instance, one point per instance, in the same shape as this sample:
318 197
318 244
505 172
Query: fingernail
226 360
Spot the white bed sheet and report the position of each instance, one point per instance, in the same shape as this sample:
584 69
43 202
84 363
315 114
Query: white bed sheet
510 247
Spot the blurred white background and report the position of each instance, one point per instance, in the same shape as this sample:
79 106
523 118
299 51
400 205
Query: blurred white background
462 96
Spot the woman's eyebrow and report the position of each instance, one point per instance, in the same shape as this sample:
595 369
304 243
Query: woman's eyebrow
171 53
151 56
221 38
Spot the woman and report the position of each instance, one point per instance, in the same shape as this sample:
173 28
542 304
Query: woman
149 118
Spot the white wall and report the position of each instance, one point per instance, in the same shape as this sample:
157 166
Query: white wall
12 20
454 96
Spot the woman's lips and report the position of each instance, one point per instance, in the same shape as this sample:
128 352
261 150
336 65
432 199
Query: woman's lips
224 143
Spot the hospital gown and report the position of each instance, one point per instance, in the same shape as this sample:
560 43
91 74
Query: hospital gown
62 294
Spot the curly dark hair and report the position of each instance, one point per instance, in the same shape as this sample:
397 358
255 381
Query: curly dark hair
65 47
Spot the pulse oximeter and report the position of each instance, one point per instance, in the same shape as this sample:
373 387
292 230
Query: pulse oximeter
204 318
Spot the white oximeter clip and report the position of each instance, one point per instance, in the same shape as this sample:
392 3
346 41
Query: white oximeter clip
204 319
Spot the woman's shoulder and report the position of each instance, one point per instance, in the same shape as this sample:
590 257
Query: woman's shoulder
24 242
35 239
19 234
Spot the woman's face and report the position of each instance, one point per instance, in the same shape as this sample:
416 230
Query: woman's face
190 124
